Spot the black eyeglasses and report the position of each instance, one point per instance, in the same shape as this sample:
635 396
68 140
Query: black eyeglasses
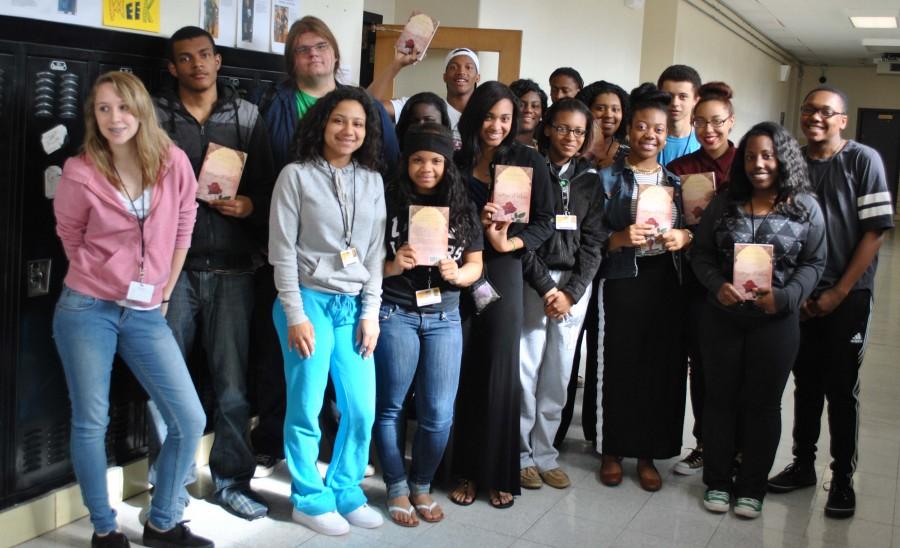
700 123
306 50
824 112
562 131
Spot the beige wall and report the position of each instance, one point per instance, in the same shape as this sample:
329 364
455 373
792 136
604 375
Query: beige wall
719 54
863 87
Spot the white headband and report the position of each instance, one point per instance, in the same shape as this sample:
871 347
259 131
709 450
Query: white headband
463 51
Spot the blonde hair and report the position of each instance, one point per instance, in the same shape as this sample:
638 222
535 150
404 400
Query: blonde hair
151 141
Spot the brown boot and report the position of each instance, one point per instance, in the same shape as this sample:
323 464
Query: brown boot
610 470
648 475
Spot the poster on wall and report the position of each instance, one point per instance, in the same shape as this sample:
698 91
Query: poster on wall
219 18
253 24
132 14
76 12
284 13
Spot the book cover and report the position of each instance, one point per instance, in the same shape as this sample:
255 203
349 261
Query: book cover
429 233
752 268
512 192
221 173
697 190
417 34
654 206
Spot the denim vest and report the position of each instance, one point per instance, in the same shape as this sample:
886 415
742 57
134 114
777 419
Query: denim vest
618 187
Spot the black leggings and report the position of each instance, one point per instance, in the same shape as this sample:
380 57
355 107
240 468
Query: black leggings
747 361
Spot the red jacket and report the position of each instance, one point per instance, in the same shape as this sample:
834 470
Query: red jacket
101 238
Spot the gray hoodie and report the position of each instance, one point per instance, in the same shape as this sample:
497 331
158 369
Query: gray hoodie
306 234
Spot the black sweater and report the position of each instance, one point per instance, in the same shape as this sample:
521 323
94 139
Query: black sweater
799 249
579 251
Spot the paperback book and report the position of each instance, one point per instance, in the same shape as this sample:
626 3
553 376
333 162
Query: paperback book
221 173
417 34
429 233
752 268
697 191
512 192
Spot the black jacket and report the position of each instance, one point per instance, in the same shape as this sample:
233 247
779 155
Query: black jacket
220 242
579 251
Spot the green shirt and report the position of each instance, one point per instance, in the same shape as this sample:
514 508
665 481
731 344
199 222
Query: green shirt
305 102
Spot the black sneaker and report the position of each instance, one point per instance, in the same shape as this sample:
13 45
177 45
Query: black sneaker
841 502
794 476
179 535
114 539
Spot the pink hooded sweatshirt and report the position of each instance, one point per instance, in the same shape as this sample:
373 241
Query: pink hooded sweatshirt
101 238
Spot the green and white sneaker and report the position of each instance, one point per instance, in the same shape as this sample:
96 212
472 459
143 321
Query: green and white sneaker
747 507
717 501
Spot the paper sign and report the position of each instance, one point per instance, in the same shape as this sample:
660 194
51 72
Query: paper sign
52 175
752 268
219 18
284 13
132 14
54 139
697 190
512 192
417 34
429 233
220 175
253 25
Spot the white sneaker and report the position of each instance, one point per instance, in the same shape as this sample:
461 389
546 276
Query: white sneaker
329 523
365 516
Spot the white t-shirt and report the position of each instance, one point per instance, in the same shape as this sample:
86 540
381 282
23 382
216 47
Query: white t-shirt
452 112
140 208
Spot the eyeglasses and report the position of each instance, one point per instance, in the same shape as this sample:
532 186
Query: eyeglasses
700 123
824 112
562 131
306 50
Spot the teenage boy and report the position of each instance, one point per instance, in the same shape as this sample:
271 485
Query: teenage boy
683 82
461 75
849 179
213 298
565 82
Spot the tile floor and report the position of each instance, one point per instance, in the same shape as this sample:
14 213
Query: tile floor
589 514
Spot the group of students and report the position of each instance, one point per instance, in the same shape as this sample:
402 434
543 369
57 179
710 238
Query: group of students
485 341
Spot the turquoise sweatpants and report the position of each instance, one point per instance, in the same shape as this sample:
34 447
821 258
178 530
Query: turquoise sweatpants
334 319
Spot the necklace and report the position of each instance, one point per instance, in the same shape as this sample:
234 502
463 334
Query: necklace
643 171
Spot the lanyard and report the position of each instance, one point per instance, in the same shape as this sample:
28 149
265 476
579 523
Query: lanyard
753 219
338 187
140 218
564 186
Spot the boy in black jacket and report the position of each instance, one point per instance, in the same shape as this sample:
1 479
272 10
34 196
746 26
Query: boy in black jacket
214 293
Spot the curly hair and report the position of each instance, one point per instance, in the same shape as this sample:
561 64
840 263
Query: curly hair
524 85
589 94
404 119
647 96
716 91
793 174
566 105
309 139
451 189
480 103
571 73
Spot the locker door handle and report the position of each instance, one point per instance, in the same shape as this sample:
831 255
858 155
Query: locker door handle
38 276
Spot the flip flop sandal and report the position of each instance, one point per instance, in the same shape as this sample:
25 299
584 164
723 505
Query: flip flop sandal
421 508
400 510
500 505
464 486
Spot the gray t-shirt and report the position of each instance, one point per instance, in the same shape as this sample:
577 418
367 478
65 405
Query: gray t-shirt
853 192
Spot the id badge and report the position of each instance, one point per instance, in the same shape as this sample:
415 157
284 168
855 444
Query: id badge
349 257
566 222
140 292
425 297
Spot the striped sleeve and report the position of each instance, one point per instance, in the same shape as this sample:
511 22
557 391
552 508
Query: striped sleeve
873 201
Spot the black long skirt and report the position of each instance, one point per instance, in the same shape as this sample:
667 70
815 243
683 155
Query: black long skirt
486 429
644 375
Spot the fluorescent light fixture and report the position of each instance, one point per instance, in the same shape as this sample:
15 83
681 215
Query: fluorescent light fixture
874 22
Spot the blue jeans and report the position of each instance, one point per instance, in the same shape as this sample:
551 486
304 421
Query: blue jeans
88 333
335 319
427 348
218 306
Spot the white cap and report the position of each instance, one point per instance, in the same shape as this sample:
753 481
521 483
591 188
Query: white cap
462 51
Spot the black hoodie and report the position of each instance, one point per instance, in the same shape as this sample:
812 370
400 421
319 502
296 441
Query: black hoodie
580 250
220 242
